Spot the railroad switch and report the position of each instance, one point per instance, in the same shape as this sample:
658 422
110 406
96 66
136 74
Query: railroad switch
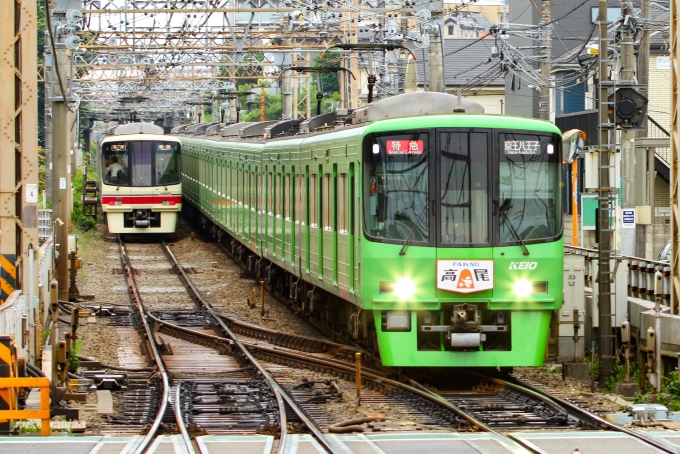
103 380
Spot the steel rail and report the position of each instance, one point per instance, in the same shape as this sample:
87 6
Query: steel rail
514 445
136 299
346 367
281 395
658 443
178 414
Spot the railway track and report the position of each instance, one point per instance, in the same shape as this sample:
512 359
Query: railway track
245 394
207 404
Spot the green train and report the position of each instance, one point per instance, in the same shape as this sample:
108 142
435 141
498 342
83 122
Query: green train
415 225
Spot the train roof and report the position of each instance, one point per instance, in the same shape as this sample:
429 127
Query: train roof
118 138
134 128
408 106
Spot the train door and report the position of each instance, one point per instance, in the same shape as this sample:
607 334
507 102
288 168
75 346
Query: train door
260 210
288 208
305 221
314 242
211 187
278 215
298 225
269 212
252 213
223 187
327 247
343 249
241 203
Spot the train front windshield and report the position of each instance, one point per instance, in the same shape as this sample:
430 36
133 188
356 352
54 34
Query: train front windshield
461 188
141 163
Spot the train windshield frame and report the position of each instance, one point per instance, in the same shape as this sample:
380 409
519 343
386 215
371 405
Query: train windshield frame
462 187
141 163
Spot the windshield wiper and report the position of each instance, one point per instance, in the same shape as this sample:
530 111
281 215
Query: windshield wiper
505 207
416 226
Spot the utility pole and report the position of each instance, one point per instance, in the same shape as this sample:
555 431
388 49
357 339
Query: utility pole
60 95
628 163
675 161
644 157
287 91
604 229
435 58
544 103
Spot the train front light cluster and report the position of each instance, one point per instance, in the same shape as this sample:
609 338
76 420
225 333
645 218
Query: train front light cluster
404 288
525 288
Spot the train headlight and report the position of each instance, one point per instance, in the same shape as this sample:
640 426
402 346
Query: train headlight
523 288
165 203
404 288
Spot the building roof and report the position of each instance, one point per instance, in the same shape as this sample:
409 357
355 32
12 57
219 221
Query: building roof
467 62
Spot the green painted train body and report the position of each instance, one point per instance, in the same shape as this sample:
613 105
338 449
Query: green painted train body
439 235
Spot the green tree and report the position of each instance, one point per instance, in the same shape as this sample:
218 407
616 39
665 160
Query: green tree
329 81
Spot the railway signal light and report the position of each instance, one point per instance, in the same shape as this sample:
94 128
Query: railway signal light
628 108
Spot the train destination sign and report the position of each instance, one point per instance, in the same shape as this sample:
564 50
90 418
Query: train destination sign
405 147
465 276
522 147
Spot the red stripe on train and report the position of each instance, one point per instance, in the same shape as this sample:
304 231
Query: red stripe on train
142 199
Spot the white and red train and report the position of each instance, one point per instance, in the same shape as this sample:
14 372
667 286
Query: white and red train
140 179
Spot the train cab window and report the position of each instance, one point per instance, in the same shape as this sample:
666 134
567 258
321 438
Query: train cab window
464 194
115 155
529 193
396 187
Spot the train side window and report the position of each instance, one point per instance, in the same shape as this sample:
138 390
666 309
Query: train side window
244 188
278 194
253 193
260 193
313 201
286 206
298 198
239 187
270 193
327 202
342 204
232 185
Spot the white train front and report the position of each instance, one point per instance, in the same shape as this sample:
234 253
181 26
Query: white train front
140 179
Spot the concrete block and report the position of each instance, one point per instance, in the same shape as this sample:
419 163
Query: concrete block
627 389
577 371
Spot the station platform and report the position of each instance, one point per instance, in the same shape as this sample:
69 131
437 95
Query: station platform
374 443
